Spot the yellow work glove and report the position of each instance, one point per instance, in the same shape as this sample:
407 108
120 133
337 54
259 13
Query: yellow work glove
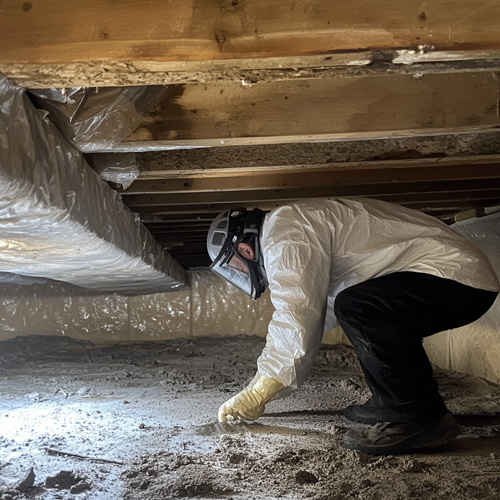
249 404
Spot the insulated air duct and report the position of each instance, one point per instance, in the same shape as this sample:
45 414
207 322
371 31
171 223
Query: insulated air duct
59 220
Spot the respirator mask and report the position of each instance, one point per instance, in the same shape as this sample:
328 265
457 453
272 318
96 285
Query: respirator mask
228 230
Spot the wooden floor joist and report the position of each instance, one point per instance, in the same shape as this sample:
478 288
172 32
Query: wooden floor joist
314 175
488 197
255 197
43 43
229 114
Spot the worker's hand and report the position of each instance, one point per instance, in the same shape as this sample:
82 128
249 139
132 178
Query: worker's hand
249 404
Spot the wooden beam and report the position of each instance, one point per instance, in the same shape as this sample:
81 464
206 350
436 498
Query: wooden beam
188 248
229 114
462 204
99 37
151 222
450 205
422 189
343 182
186 226
279 177
199 241
213 208
217 30
266 196
180 231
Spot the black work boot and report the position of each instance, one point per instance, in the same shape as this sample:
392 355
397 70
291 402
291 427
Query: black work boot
391 438
362 414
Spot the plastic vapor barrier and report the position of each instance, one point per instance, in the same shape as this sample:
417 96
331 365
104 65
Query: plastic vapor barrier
475 348
120 168
97 119
59 220
484 232
210 306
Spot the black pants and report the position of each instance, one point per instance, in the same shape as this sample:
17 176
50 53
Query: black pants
386 320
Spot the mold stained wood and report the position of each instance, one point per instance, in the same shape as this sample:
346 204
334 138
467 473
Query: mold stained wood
99 37
230 113
370 63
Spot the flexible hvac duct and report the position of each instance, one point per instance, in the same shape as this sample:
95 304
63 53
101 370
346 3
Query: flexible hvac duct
59 220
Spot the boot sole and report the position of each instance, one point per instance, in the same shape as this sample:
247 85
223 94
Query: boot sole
429 438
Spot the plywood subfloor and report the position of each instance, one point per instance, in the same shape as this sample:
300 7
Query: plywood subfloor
152 408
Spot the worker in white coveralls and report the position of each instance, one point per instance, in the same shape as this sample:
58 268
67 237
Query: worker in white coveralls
395 276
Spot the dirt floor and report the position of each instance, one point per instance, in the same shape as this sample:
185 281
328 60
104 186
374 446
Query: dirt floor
140 423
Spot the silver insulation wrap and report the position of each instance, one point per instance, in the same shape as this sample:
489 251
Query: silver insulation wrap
96 119
59 220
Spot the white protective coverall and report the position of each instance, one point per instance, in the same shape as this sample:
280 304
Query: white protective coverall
314 249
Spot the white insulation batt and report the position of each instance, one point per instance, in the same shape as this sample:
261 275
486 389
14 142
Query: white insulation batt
59 220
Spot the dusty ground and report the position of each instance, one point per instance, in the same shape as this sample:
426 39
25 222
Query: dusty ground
151 408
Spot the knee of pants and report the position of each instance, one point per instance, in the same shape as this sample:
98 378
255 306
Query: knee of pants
346 306
347 311
363 320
